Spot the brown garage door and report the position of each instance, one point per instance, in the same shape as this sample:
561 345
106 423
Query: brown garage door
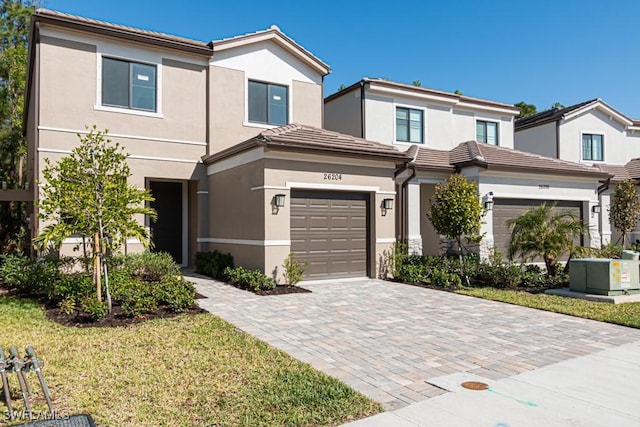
505 209
329 232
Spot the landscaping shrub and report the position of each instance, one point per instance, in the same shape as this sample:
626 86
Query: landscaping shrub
213 264
413 273
254 280
147 266
138 298
176 293
445 279
75 286
94 308
501 276
28 275
293 270
533 277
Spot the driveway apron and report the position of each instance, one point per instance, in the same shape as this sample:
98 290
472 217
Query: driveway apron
387 340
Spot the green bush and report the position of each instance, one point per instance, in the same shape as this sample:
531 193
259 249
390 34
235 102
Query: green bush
533 277
176 293
254 280
76 286
413 273
293 270
138 298
445 279
94 308
501 276
213 264
28 275
146 266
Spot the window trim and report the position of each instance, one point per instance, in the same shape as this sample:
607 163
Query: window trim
267 125
115 109
582 135
422 124
485 122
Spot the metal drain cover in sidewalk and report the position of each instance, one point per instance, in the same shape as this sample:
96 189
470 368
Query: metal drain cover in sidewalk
474 385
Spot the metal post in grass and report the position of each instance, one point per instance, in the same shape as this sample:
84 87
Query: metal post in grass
17 364
5 384
34 363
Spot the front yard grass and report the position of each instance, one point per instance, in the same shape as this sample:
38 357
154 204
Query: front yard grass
627 314
183 371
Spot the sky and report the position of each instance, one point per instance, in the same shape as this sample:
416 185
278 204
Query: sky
536 51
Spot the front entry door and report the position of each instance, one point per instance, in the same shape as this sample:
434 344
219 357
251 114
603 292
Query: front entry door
166 232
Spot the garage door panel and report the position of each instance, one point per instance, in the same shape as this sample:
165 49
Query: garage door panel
329 232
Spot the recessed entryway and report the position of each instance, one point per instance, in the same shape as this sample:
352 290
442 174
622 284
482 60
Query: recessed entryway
329 232
167 232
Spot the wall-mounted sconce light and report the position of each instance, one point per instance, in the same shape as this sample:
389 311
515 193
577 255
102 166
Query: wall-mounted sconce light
278 200
488 201
387 204
595 209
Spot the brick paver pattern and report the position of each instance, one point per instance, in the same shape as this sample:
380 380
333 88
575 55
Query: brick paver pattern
387 340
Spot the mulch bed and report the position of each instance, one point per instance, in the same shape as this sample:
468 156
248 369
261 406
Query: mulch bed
113 319
278 290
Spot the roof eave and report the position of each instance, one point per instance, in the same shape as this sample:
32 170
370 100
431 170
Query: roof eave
69 22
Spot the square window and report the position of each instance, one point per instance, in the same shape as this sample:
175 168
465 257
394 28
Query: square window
128 84
268 103
487 132
592 148
409 125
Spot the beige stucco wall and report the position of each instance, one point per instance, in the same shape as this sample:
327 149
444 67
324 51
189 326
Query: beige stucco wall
430 237
343 114
307 103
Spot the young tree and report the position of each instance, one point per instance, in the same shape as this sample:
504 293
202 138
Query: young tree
541 232
87 193
624 211
15 17
456 211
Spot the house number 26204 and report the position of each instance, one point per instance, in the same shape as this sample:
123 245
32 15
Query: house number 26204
333 176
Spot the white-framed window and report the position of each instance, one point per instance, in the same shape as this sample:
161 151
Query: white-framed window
267 103
128 84
487 132
592 147
409 125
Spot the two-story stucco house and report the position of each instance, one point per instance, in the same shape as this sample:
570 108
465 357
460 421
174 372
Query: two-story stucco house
593 133
446 133
228 137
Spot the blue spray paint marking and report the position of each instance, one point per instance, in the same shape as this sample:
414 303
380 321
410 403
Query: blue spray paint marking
524 402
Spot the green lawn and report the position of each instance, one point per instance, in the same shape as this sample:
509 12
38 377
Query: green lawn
184 371
627 314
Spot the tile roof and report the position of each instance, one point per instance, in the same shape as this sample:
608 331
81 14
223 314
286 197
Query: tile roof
548 116
618 172
79 22
427 158
633 168
304 138
500 158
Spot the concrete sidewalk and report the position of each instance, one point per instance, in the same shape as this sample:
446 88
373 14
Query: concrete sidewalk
600 389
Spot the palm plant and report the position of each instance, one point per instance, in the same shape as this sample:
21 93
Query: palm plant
543 232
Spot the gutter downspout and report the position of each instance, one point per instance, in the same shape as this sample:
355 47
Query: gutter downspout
402 178
557 139
362 112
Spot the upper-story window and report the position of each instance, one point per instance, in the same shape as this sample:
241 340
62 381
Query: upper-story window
487 132
409 125
128 84
592 147
268 103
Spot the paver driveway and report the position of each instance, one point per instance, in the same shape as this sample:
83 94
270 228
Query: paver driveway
387 340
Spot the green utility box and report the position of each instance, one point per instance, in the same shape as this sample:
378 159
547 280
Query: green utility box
604 276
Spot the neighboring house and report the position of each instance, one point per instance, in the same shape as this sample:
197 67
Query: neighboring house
228 137
593 133
446 133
